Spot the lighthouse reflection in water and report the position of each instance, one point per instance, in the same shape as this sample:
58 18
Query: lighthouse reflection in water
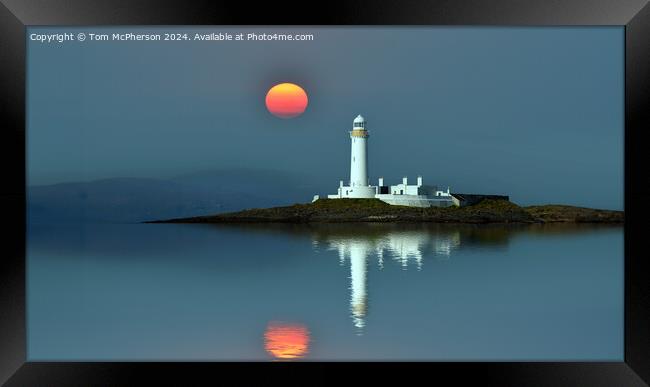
334 292
406 248
290 340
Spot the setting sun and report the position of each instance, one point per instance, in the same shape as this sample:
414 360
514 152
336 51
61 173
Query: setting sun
286 100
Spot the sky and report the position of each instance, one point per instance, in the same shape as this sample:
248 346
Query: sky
536 113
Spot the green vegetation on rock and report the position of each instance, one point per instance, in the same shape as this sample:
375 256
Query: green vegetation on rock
562 213
374 210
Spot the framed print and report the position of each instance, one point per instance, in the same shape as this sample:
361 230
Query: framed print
197 192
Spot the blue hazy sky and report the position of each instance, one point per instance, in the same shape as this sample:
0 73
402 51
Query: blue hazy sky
536 113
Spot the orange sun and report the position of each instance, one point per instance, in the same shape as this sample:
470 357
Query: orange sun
286 341
286 100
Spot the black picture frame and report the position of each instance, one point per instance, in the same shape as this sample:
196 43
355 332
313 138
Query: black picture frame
16 15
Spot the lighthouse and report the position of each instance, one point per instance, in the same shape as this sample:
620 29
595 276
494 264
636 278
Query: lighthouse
404 194
359 153
359 184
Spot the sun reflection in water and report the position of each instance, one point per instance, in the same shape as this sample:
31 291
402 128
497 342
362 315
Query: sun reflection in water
286 341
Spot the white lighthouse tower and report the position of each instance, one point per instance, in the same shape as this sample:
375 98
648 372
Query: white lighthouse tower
359 187
404 194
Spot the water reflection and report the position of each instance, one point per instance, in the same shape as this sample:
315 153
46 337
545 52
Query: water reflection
404 247
165 291
286 341
358 253
404 244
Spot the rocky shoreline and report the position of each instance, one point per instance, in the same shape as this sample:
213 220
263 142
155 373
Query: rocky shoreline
376 211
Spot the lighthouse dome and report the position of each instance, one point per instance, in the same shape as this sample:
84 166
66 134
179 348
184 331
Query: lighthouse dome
359 119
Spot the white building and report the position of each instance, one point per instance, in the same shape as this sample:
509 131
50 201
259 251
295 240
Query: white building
403 194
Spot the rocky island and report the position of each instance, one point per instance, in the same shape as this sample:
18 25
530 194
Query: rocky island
359 201
375 210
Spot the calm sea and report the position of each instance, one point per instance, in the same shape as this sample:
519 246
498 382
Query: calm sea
324 292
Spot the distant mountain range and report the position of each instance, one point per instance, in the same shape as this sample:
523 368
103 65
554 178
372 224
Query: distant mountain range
119 200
